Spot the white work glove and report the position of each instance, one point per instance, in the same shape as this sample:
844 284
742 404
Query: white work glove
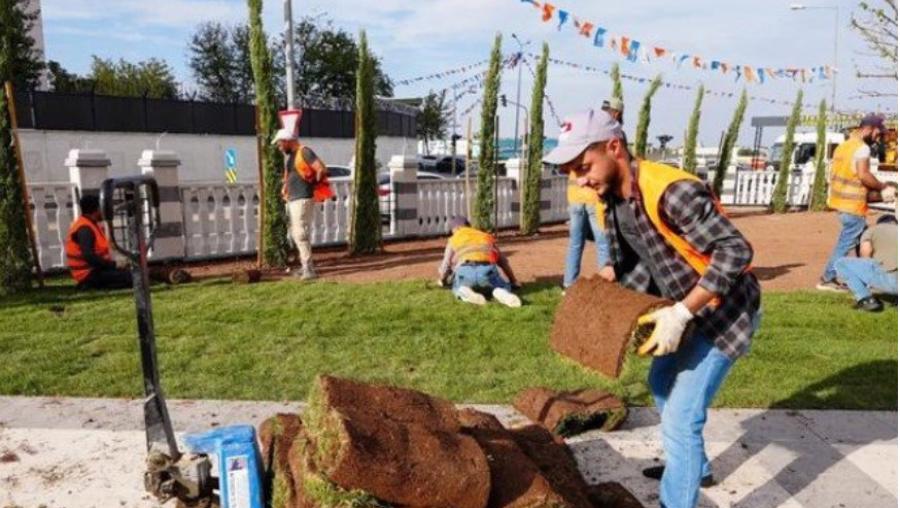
440 282
670 325
889 194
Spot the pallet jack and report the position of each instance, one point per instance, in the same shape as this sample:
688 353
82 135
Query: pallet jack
131 209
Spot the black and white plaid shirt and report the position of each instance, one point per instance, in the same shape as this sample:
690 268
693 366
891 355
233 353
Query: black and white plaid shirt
687 207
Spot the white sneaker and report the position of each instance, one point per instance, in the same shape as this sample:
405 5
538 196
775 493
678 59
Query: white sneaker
506 298
469 295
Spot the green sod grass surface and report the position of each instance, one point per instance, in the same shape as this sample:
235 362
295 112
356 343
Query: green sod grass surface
268 341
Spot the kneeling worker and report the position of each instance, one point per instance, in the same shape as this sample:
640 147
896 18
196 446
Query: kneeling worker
471 258
87 251
876 267
669 237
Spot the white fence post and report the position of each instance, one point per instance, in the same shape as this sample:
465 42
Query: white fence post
87 170
516 171
162 165
404 196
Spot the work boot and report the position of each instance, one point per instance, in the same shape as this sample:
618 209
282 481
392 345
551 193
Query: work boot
870 304
506 298
656 473
832 286
469 295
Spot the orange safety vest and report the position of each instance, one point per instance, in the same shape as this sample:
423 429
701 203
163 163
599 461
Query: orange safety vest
473 245
653 180
321 189
79 268
846 192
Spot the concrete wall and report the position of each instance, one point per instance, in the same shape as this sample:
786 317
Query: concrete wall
202 156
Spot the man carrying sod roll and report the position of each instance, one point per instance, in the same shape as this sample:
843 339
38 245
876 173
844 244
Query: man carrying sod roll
669 237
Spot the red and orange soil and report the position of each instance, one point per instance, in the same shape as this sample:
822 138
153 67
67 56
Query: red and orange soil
789 253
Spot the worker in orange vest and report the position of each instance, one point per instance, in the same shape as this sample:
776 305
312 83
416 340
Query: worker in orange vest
848 193
305 183
669 237
471 261
87 251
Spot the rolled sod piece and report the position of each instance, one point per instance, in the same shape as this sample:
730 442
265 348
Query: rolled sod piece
556 462
250 276
569 413
516 480
401 446
595 323
276 437
314 490
613 495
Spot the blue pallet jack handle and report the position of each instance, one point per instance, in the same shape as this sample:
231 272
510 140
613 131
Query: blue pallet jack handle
240 471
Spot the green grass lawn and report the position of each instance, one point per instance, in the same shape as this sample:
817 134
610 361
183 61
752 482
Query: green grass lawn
267 341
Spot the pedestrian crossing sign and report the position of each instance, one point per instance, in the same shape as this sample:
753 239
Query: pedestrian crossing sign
231 165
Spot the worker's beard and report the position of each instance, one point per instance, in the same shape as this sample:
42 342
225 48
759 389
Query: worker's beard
870 139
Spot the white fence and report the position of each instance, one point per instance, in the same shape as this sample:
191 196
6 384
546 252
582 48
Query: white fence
757 187
53 210
221 220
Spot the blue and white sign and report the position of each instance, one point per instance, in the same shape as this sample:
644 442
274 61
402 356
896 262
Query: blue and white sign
231 165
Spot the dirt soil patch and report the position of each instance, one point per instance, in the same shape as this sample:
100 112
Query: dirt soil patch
790 251
401 446
613 495
594 323
570 413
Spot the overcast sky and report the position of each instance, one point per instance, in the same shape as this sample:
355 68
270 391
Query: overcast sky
417 37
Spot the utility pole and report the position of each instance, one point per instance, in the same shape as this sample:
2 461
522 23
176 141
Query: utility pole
289 53
518 88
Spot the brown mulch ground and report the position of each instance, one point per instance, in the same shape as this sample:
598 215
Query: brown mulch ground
790 251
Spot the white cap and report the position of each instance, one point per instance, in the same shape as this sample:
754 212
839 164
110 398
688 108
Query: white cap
580 131
283 135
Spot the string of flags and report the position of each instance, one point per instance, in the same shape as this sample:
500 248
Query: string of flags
442 74
546 97
666 84
637 51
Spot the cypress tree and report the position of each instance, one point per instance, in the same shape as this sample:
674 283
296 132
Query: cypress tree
689 163
640 137
617 82
15 256
819 195
728 143
780 197
365 218
273 235
531 208
484 196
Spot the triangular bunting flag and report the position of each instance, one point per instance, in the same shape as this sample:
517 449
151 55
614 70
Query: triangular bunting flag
548 12
598 37
563 16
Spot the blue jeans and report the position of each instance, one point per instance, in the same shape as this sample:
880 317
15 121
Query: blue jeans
683 385
864 274
484 277
852 227
582 217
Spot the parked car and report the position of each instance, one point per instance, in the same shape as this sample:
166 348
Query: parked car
427 162
445 165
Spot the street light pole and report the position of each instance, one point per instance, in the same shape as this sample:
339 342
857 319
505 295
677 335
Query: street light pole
289 53
834 61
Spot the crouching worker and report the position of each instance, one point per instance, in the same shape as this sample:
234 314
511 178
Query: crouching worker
87 251
876 267
471 259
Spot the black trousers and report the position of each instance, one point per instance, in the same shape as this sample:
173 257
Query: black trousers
109 278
